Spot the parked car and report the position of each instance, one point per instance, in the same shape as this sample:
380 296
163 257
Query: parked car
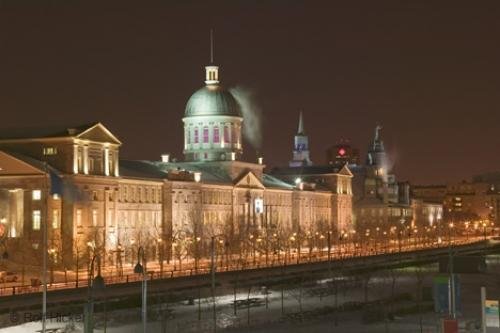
8 277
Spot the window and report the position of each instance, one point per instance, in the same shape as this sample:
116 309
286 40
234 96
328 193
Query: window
94 217
37 194
110 218
78 217
49 151
226 134
188 136
205 134
234 134
91 164
37 218
196 135
55 219
216 135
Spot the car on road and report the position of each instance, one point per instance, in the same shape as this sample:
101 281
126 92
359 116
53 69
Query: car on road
8 277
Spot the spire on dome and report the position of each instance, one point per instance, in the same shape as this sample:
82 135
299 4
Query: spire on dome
212 71
300 131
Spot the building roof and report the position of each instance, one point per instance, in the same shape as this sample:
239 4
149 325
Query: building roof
306 170
44 131
210 172
212 100
273 182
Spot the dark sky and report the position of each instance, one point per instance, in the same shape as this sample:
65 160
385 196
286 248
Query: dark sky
428 72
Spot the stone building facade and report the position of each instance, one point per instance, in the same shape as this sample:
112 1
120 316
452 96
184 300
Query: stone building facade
71 180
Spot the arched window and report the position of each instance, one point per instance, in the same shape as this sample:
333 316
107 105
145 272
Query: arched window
234 134
205 134
216 135
226 134
196 135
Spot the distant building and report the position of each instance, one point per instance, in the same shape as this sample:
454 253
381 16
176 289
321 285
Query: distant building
429 193
342 153
474 200
385 203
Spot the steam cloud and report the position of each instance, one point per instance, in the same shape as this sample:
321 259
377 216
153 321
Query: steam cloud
252 114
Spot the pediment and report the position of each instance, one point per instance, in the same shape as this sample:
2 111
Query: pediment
249 180
345 171
99 133
12 166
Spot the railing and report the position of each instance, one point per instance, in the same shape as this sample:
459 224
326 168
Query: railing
235 263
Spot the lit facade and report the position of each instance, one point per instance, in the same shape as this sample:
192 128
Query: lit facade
72 180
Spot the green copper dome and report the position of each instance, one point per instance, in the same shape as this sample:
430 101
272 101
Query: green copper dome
212 100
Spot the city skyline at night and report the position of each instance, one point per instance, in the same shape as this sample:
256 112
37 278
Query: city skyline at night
429 83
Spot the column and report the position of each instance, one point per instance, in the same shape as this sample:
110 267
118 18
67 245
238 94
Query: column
106 161
86 160
116 172
75 159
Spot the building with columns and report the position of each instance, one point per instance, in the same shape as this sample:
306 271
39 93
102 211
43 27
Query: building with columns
71 180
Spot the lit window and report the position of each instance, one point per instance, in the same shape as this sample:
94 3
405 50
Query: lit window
49 151
55 219
226 134
37 194
196 135
78 217
216 135
94 217
205 134
37 218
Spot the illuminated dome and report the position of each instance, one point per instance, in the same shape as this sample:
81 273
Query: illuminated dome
212 122
212 100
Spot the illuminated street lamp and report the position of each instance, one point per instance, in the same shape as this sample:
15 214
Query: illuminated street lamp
141 269
212 273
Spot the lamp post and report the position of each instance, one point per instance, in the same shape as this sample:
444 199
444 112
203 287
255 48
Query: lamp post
212 274
141 269
94 283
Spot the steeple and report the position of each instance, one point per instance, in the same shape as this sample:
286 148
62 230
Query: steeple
300 131
301 146
376 152
212 71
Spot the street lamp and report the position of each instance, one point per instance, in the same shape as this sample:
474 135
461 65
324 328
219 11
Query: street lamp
212 273
141 269
94 284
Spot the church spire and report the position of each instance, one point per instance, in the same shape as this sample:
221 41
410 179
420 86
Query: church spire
301 146
300 131
212 71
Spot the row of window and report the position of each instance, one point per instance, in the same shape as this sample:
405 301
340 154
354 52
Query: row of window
140 194
216 137
37 219
126 218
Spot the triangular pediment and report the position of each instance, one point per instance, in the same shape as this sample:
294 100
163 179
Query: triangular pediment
99 133
345 171
12 166
249 180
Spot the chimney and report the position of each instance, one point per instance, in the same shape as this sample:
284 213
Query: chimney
165 158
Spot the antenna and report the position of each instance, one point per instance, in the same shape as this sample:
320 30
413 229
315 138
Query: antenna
211 46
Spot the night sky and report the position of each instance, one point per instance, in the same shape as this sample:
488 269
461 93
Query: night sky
428 72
